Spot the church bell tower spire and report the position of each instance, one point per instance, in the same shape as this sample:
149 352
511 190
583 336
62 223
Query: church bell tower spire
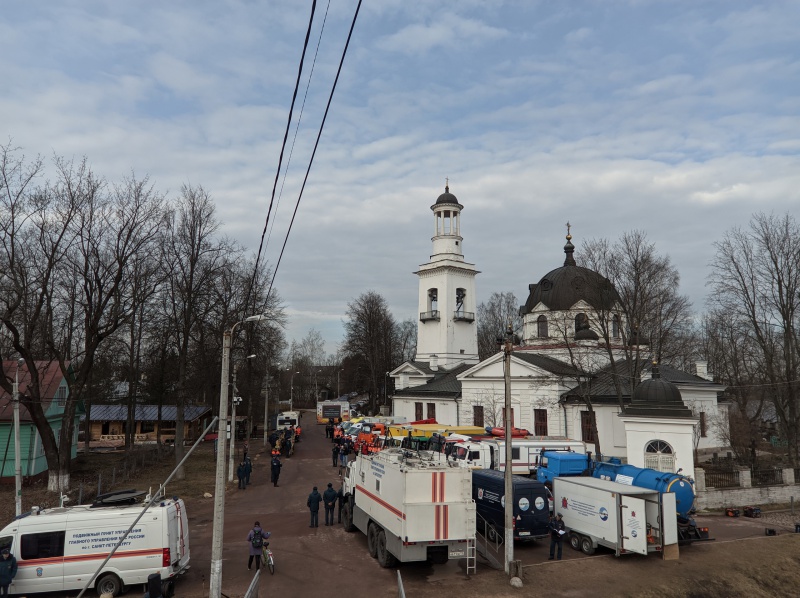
446 332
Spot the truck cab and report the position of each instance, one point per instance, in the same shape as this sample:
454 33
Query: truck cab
554 464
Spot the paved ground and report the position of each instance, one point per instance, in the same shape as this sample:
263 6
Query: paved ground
313 561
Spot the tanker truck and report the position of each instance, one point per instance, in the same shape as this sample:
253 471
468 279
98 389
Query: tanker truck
554 464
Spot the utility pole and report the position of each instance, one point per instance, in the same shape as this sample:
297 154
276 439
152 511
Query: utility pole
509 489
266 407
17 455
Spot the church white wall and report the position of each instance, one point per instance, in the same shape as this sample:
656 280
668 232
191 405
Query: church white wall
446 410
677 433
703 401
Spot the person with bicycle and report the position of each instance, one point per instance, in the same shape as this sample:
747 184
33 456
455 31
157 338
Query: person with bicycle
256 539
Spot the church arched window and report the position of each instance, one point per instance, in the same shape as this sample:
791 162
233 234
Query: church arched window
581 322
615 327
658 455
541 327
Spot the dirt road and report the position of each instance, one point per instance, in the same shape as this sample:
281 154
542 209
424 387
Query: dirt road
327 560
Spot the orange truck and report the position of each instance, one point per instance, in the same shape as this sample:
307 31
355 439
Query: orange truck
368 437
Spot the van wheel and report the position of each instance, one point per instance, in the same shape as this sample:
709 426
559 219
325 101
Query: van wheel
385 558
575 541
347 518
586 546
109 584
491 533
372 540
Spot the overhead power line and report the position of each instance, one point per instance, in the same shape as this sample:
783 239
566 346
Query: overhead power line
316 145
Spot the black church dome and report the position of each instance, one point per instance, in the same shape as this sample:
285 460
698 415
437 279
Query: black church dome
563 287
447 197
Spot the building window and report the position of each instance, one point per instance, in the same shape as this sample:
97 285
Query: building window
541 327
477 415
147 427
431 411
615 327
658 455
703 428
61 396
587 426
581 322
417 411
540 422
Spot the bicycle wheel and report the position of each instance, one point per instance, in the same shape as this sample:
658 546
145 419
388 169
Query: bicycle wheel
271 565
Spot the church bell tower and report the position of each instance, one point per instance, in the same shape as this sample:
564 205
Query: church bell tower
447 333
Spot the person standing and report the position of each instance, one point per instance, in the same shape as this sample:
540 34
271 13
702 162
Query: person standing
335 453
275 469
8 570
256 540
557 531
240 473
248 469
329 498
340 499
313 506
344 451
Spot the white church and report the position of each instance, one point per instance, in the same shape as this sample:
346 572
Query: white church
561 362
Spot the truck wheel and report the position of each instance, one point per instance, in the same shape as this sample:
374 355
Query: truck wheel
575 541
586 546
372 540
347 518
109 584
385 558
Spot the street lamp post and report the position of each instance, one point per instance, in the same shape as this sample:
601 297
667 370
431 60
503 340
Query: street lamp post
17 455
338 390
266 404
291 392
236 400
215 580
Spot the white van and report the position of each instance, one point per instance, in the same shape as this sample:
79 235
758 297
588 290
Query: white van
60 549
287 418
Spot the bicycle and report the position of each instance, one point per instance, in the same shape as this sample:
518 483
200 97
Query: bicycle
269 560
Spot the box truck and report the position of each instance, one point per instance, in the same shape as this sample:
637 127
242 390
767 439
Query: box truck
627 519
411 506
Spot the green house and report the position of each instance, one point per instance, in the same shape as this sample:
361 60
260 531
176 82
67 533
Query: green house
54 392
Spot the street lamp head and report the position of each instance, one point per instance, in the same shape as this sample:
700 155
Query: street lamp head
251 356
257 318
20 362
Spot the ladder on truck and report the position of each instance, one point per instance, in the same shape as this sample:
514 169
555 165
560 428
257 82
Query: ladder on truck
472 557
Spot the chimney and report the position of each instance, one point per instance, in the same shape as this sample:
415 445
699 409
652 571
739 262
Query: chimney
701 370
434 363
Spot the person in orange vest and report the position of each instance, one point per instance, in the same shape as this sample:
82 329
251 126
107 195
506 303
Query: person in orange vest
297 432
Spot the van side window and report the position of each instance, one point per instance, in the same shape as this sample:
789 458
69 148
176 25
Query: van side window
515 452
474 455
42 546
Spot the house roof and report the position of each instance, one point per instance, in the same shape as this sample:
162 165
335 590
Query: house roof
554 366
601 386
50 379
145 412
444 383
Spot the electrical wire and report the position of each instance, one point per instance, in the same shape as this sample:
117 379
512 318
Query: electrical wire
316 145
283 148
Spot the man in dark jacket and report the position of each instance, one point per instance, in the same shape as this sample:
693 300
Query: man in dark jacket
240 473
313 505
275 469
8 570
329 498
557 532
248 469
335 453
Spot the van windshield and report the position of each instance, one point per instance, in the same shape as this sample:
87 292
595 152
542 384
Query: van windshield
5 542
460 453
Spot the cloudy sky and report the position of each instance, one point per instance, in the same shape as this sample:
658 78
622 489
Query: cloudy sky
678 118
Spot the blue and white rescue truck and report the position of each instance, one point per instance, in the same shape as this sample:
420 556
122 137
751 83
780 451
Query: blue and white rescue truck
556 464
531 509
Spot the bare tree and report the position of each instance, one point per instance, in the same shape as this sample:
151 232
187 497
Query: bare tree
642 286
756 282
370 336
494 317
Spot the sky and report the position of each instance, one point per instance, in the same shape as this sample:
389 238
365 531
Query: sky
678 118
